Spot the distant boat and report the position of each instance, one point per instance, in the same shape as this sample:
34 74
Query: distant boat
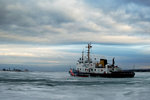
87 67
15 70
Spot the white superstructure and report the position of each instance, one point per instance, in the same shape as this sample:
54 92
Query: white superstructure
86 64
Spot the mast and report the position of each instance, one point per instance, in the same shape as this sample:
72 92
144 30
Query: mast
88 53
113 61
82 55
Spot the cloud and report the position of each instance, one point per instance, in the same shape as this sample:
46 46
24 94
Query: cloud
43 55
58 22
48 31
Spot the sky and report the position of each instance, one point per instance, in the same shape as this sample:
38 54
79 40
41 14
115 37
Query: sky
51 33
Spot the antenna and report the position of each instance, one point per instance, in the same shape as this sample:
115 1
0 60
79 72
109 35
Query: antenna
113 61
88 53
83 55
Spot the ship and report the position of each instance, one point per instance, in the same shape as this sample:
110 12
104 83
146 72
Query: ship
87 67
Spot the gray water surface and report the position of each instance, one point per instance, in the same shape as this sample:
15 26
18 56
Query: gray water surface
61 86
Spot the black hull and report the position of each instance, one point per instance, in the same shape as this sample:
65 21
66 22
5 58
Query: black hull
125 74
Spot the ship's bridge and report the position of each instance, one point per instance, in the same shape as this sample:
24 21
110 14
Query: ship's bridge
85 61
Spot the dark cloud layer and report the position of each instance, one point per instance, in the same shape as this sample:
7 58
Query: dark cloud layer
28 14
58 21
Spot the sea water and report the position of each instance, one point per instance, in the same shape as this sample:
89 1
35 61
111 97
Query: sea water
61 86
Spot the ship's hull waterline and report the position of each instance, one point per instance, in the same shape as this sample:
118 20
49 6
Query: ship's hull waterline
125 74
